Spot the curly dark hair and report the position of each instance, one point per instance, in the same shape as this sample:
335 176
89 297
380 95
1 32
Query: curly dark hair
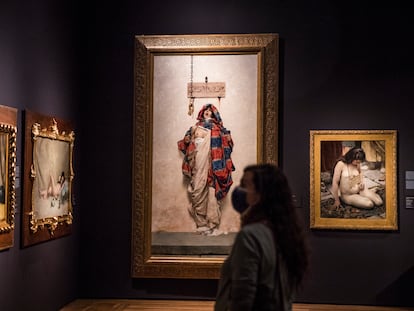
276 207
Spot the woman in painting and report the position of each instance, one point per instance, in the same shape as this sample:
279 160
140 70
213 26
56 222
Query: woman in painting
348 182
207 148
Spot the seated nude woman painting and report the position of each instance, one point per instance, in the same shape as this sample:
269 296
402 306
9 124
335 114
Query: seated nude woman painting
348 183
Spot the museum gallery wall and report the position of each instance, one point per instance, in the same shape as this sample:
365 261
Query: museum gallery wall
341 68
48 175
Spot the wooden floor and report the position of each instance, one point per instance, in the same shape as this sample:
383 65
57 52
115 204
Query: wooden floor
184 305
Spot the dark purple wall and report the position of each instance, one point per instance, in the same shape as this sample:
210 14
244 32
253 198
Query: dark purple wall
37 72
343 66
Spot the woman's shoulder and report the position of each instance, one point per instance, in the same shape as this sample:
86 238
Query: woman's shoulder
253 237
255 229
340 164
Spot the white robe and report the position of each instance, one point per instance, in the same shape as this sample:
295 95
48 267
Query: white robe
205 208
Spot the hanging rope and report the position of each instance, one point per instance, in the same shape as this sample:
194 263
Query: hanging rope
191 104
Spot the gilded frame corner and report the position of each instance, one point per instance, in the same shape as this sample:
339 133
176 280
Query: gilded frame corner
322 215
144 263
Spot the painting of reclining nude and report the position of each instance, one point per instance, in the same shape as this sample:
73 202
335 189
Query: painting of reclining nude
48 185
352 179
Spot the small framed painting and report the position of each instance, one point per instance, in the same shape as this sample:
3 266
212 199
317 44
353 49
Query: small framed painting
353 181
48 177
8 130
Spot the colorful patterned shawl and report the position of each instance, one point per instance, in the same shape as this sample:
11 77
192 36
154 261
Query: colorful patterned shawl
219 175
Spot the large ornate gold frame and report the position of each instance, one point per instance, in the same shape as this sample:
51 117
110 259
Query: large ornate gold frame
8 130
389 140
265 47
37 228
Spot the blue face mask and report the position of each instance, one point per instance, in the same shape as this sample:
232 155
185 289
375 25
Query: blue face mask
238 199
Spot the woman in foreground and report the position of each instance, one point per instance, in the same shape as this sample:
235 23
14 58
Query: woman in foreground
269 257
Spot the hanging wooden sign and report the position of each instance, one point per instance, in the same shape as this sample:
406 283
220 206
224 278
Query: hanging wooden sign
206 89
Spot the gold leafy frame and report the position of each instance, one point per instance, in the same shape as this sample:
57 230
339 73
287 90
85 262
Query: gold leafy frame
8 128
53 133
265 46
390 139
36 229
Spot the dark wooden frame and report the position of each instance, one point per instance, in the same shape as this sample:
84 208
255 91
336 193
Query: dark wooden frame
144 263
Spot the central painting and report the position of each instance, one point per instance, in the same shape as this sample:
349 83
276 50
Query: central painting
205 107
